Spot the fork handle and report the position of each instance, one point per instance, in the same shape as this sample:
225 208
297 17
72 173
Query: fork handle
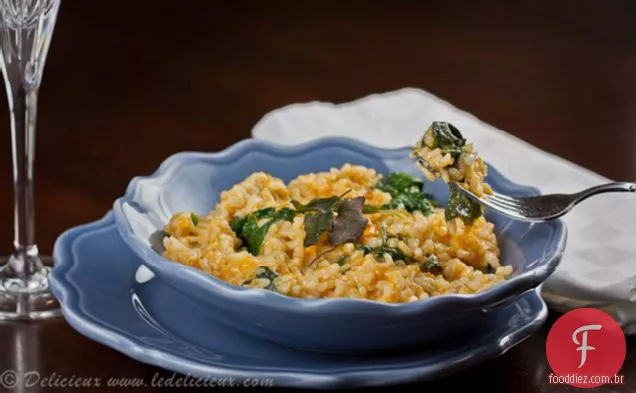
617 186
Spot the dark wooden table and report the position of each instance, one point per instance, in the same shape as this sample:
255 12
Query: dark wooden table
129 82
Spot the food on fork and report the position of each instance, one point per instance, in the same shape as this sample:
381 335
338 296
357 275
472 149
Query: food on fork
443 153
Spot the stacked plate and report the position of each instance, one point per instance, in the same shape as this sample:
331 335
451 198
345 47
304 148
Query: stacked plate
117 290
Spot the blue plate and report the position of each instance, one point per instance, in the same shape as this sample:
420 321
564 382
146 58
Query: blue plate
193 182
108 295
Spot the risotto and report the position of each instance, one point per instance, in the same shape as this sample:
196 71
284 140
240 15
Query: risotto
443 153
349 232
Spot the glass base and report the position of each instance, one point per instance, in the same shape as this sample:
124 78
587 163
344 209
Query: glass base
27 299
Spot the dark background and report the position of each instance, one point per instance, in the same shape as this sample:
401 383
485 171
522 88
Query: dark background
129 82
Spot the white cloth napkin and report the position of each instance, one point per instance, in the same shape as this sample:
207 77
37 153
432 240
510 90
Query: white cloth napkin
599 265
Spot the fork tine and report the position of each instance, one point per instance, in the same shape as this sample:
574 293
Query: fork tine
515 212
505 197
505 202
504 206
497 205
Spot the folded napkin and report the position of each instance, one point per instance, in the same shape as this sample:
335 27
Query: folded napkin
599 266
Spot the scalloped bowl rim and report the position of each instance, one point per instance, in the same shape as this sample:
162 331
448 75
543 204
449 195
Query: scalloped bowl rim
275 300
95 329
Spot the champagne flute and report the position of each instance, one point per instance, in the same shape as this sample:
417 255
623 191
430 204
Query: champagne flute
26 30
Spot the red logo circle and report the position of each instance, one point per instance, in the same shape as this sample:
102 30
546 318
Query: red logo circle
585 348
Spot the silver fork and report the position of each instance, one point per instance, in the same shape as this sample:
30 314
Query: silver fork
542 207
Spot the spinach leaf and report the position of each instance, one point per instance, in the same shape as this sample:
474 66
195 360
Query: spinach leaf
315 224
448 138
251 234
286 214
350 223
395 253
459 205
266 273
431 265
237 224
379 251
406 193
269 274
398 182
195 219
267 212
410 202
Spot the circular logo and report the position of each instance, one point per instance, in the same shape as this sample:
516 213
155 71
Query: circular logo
9 379
586 348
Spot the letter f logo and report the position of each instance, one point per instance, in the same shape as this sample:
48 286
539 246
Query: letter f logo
584 347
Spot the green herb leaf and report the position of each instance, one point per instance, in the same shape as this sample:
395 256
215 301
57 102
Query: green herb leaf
406 193
318 204
431 265
318 216
268 274
195 219
448 138
315 224
383 249
410 202
286 214
267 212
237 224
253 235
380 251
350 223
395 253
459 205
399 182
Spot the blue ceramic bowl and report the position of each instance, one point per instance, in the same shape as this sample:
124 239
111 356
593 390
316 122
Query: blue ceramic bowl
106 295
193 182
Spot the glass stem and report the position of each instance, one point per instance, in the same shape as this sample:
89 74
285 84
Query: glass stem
23 107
